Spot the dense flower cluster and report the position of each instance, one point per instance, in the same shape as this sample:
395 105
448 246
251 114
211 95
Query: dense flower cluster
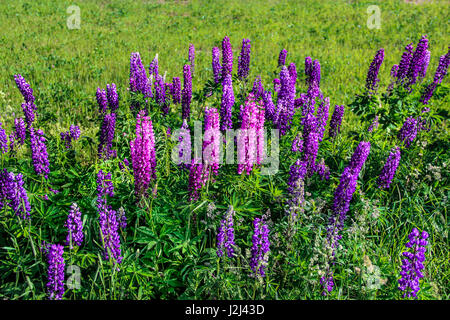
216 67
227 58
244 60
112 96
198 176
417 61
284 112
107 136
388 171
322 117
336 120
72 134
405 60
372 76
412 264
282 58
20 132
176 90
260 247
13 194
250 138
258 89
187 92
409 131
269 107
102 100
39 152
227 103
225 235
55 271
74 227
107 219
143 156
297 143
28 107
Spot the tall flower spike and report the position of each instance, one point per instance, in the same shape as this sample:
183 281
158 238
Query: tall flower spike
3 140
408 132
197 179
297 143
191 57
20 130
184 150
322 117
55 272
216 67
187 92
441 72
405 61
412 264
102 100
296 189
417 61
359 156
424 65
388 171
74 227
258 89
211 141
176 90
39 152
372 76
244 60
268 105
227 58
308 69
113 98
285 104
225 236
226 108
336 120
143 155
107 136
25 89
260 248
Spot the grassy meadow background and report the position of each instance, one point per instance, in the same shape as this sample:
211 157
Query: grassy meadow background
167 254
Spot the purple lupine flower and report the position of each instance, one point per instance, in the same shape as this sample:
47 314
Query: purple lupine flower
25 89
405 61
65 138
441 71
359 156
374 125
108 219
268 105
412 264
297 174
323 170
372 76
258 89
417 61
39 152
225 235
314 80
3 140
187 92
388 171
216 67
322 117
28 110
285 104
168 92
74 132
297 171
74 227
408 132
260 248
293 74
143 155
227 103
297 143
112 96
282 58
308 69
176 90
102 100
424 65
197 179
250 138
211 141
14 194
138 76
310 142
20 130
191 57
160 94
327 283
184 149
394 71
244 60
107 136
276 85
55 271
153 68
122 218
227 58
336 120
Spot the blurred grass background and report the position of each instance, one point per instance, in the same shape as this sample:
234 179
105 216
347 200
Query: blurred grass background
64 67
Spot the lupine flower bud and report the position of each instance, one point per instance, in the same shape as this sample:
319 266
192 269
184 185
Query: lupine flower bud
55 284
225 236
216 67
408 132
28 111
308 69
412 264
191 57
19 130
107 136
372 76
227 58
424 66
260 248
244 60
336 120
227 103
417 60
176 90
113 98
39 152
388 171
282 58
25 89
102 100
74 227
405 61
187 92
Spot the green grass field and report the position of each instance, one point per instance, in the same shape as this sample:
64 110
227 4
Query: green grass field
169 246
